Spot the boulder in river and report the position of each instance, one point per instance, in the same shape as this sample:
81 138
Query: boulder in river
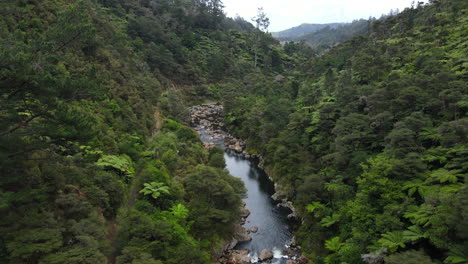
290 261
254 229
265 254
240 256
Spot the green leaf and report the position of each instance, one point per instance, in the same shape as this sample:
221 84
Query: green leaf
179 211
414 233
314 206
458 254
420 215
121 163
156 189
412 186
334 244
393 240
330 220
443 175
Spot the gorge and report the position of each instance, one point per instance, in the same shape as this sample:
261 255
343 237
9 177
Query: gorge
268 221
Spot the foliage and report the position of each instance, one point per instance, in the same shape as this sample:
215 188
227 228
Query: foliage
155 189
334 244
121 163
369 137
410 257
458 254
393 240
85 87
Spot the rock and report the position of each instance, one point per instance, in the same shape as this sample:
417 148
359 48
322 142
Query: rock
278 196
288 204
375 257
292 242
209 145
302 260
232 244
254 229
242 221
220 251
290 261
240 256
288 253
241 234
237 148
265 254
244 212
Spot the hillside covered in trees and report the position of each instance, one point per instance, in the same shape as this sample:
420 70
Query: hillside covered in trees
97 164
295 33
370 140
324 36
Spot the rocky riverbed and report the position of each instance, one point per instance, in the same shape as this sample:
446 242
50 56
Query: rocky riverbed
208 121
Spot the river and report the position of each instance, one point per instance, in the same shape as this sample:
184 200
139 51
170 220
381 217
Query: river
274 229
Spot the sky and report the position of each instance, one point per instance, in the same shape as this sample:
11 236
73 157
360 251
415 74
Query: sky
285 14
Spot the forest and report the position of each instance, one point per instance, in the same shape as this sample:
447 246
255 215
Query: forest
98 164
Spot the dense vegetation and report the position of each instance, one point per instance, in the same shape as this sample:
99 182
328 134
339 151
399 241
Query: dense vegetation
295 33
94 162
368 140
328 35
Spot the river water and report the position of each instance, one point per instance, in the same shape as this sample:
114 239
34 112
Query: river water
273 228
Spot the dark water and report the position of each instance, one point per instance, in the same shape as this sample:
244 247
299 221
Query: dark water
273 228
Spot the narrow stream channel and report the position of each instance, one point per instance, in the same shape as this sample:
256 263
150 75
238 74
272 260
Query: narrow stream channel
273 229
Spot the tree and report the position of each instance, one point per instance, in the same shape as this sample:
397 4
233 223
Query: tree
334 244
215 198
30 244
409 257
262 22
393 240
156 189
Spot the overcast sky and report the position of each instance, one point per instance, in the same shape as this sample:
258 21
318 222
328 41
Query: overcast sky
285 14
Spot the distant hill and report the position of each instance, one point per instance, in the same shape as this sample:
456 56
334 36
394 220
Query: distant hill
324 35
301 30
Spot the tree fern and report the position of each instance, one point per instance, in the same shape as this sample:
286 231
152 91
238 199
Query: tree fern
430 134
334 244
122 163
393 240
315 207
330 220
179 211
155 189
420 215
412 186
443 175
414 233
458 254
